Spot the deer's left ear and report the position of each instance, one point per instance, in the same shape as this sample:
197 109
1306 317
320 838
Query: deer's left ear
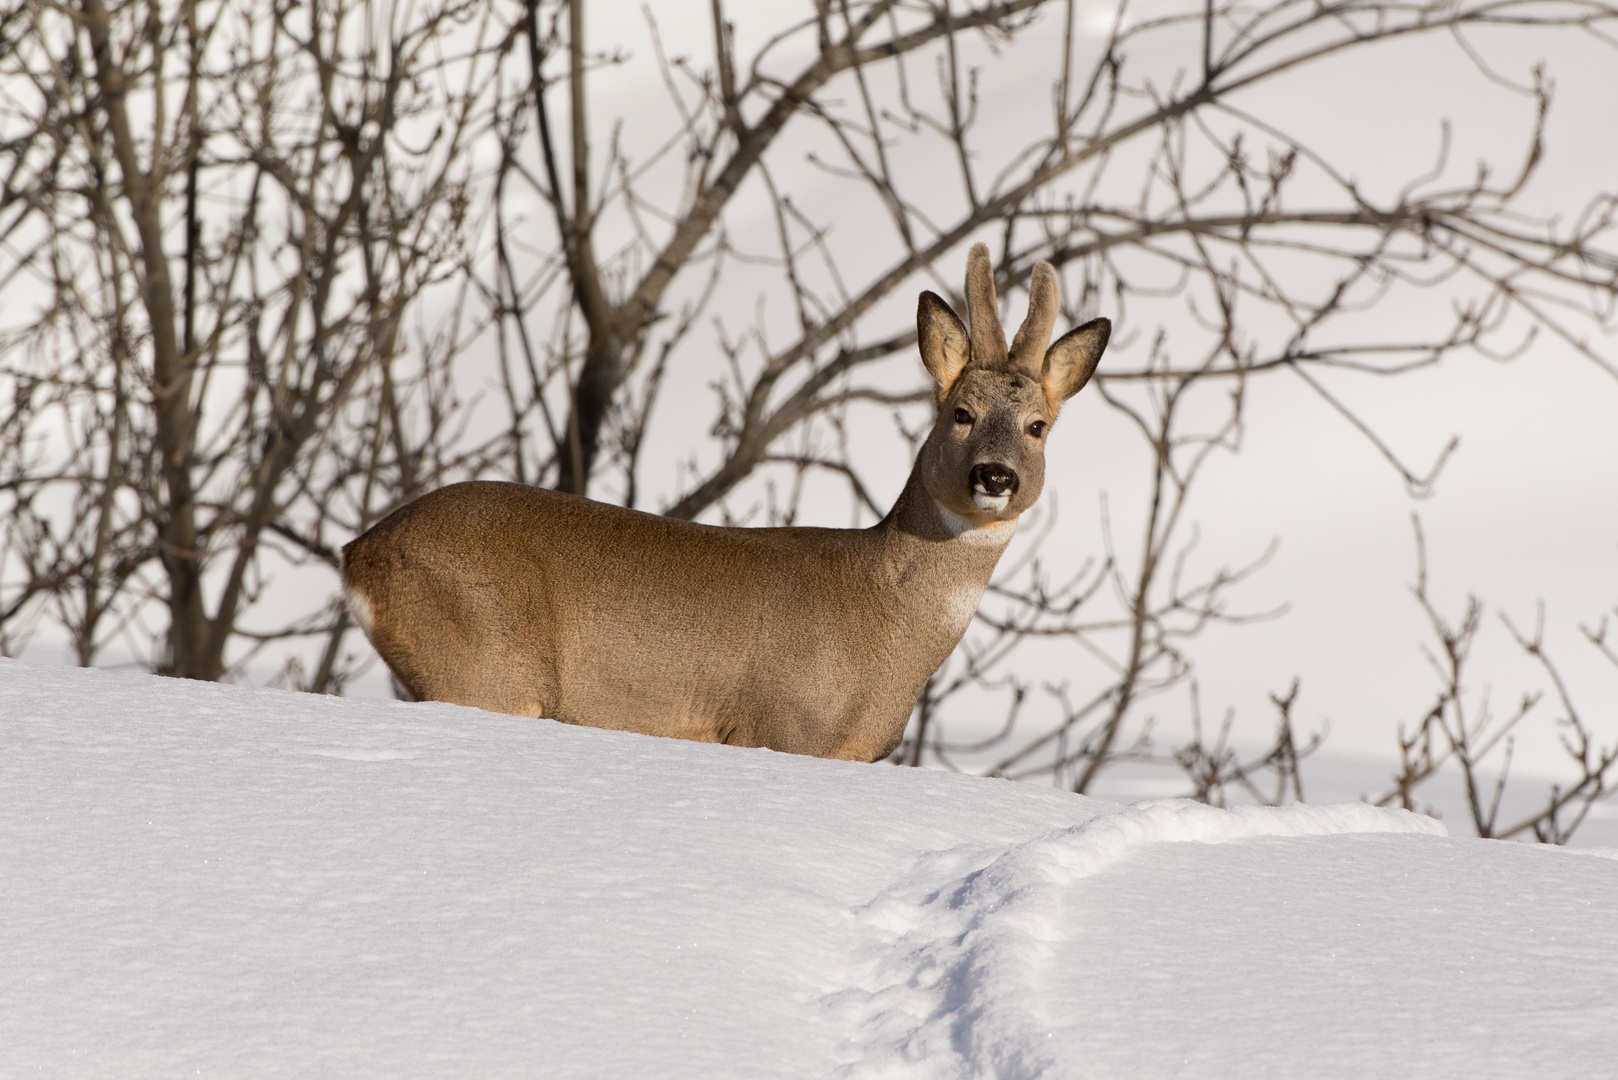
1071 361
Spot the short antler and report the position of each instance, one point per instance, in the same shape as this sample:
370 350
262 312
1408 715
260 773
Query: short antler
983 311
1028 350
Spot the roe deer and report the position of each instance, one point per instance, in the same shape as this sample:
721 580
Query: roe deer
805 640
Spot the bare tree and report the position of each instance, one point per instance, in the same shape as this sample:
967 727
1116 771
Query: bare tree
273 269
1476 742
222 216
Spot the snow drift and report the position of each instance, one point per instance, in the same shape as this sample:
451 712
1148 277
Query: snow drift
199 878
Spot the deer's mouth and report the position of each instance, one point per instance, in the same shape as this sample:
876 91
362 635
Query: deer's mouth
991 503
993 485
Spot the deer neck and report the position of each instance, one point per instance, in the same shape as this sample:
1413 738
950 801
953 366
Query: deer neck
940 562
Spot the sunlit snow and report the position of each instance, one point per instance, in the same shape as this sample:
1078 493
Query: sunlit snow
233 882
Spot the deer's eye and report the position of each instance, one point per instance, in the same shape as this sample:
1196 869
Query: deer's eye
1037 428
962 416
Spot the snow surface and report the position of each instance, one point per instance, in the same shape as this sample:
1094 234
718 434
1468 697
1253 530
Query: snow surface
225 881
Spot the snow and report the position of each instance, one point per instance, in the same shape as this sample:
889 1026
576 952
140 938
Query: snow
218 880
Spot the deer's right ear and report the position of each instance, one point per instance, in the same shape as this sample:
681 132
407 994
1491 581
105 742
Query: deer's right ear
943 342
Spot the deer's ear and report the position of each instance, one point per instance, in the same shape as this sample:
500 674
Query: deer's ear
943 342
1071 361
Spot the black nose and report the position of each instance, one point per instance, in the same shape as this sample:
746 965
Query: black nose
993 478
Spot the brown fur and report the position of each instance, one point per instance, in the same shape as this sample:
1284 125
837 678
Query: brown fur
811 641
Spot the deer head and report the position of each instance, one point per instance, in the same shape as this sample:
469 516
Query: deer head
985 459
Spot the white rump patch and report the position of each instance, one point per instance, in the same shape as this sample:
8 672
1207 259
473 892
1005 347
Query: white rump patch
359 607
998 534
